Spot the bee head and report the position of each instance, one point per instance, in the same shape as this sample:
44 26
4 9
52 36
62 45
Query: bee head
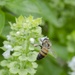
45 42
44 39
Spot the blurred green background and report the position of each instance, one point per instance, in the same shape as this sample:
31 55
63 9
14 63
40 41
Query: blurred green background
58 24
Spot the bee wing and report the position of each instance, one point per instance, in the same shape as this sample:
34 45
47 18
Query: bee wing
52 52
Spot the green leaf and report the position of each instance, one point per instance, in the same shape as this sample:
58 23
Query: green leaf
50 67
4 63
14 67
46 12
22 58
32 56
6 28
17 48
34 65
14 70
2 72
2 20
13 64
2 2
71 42
31 71
22 7
32 7
71 2
60 50
5 31
23 72
16 54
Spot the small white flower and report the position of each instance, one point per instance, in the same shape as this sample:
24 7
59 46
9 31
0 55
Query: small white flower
14 24
8 37
71 73
8 47
32 40
71 64
6 54
24 24
27 21
17 33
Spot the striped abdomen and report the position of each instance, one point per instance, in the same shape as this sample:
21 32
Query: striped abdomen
42 53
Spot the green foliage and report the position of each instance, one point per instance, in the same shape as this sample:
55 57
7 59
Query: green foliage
71 44
58 24
2 21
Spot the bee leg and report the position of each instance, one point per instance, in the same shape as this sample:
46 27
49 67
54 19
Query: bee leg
35 45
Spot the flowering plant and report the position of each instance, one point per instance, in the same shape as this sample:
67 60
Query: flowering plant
71 64
24 33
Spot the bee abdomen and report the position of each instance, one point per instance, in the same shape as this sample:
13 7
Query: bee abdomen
40 56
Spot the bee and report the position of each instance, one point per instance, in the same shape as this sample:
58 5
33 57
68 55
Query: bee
45 46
